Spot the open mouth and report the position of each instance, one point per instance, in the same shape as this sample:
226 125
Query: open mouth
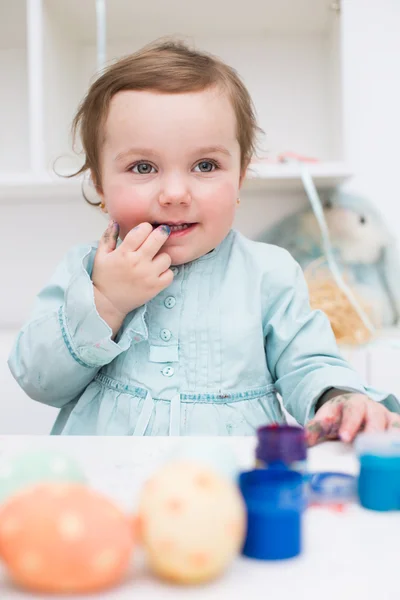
176 227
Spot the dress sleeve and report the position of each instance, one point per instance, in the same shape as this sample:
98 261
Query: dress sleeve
65 342
301 349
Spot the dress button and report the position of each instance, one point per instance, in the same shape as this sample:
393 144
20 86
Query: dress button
174 270
165 335
168 371
170 302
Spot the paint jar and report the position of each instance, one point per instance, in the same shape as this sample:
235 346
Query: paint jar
275 503
281 446
379 479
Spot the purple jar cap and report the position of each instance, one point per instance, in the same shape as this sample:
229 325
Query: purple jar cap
284 443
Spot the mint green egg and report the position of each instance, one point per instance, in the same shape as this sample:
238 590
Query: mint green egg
34 467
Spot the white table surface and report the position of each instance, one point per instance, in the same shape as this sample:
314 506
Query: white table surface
354 555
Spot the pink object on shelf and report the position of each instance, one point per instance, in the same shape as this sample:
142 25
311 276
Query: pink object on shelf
286 157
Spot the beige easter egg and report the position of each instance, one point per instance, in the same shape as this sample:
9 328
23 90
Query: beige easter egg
64 538
192 522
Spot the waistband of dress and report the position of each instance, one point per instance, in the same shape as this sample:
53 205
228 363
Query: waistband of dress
219 397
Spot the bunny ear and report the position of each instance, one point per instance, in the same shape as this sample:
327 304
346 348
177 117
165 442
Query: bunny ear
356 203
391 272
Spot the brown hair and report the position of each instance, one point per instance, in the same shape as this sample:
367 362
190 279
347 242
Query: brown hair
169 67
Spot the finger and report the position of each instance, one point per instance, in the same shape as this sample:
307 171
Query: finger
155 241
353 418
322 431
162 262
166 278
325 425
108 241
377 418
135 237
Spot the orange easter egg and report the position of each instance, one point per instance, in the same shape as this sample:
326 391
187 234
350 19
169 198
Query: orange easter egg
64 538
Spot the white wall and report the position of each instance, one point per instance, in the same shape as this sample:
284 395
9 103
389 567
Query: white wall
371 71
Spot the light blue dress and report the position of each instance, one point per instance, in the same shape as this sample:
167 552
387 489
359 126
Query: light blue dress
207 356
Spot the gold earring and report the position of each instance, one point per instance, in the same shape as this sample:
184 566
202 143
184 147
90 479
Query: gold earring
238 201
102 205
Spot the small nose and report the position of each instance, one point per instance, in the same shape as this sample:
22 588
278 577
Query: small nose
174 191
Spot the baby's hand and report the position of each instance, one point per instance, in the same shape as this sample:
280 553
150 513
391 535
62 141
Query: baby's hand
345 416
127 277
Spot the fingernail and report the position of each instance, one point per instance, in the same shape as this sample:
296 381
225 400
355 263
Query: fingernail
116 230
165 229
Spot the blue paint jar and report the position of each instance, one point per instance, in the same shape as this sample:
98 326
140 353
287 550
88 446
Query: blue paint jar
275 502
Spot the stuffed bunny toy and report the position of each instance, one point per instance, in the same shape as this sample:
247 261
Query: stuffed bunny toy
363 248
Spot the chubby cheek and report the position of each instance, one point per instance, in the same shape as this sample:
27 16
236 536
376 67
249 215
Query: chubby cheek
126 207
220 205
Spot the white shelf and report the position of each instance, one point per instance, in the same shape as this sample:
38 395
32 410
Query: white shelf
286 176
29 189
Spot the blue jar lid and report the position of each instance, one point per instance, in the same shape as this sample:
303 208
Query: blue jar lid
274 501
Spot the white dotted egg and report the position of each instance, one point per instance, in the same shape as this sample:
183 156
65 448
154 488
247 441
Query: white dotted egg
192 522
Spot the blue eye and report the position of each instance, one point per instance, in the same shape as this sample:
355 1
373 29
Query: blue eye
207 166
143 168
